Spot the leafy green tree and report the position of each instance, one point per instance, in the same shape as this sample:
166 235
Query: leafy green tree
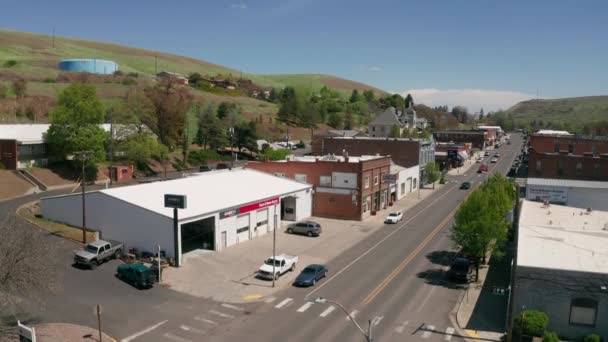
194 79
348 120
225 109
246 136
533 322
335 120
289 105
592 338
140 148
369 96
395 132
432 172
550 336
355 96
273 155
171 101
408 100
76 124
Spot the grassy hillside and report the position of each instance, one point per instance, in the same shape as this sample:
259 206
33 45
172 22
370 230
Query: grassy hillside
575 111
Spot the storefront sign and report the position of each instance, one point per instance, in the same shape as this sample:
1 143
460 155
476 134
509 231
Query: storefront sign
452 154
249 207
390 178
553 195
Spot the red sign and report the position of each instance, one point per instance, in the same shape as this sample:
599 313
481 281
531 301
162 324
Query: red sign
260 205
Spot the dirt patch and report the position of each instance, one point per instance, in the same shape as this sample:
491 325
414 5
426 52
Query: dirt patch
12 185
341 83
50 178
31 212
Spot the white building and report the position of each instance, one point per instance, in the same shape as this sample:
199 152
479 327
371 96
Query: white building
224 208
407 180
552 132
562 268
573 193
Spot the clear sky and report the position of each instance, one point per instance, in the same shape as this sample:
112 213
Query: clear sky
473 52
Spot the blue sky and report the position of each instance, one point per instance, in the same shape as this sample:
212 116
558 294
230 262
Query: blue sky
472 52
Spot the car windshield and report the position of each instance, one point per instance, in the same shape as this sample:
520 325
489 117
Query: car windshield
90 249
393 214
308 270
269 262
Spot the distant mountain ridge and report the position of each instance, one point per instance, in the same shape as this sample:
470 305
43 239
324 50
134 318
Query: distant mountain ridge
574 111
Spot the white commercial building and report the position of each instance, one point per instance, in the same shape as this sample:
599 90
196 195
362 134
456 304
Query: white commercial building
562 268
407 180
573 193
223 208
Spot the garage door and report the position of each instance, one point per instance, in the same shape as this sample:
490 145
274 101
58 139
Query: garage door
242 228
262 218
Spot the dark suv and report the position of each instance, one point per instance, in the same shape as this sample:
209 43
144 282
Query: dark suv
309 228
460 270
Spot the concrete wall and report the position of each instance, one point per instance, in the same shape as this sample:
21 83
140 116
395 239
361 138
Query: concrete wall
406 181
114 219
552 291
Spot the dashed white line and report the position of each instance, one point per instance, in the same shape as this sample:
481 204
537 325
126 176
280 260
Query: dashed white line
233 307
142 332
283 303
176 338
305 307
353 314
327 311
208 321
221 314
428 331
191 329
377 320
270 300
448 333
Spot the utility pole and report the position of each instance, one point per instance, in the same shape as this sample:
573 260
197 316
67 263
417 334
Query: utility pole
159 275
274 244
99 321
111 146
231 132
83 156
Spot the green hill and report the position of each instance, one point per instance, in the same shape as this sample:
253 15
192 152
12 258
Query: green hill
574 112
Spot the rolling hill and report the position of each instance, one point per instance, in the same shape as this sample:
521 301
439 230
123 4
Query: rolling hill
575 111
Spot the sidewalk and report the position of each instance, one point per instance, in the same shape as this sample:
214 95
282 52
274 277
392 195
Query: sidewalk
229 276
468 164
62 332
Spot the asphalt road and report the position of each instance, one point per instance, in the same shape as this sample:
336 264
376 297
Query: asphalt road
395 278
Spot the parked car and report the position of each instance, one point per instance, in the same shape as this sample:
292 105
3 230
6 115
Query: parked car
309 228
137 275
483 168
480 160
97 252
487 153
494 160
460 270
282 264
465 185
497 155
310 275
394 217
508 142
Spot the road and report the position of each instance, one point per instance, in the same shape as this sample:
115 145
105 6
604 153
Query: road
395 278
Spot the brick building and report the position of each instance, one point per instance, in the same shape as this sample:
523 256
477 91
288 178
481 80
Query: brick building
478 139
344 187
568 157
404 152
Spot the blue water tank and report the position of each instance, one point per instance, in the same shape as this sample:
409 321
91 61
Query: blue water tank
94 66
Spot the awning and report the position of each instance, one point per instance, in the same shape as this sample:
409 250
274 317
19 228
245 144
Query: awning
462 155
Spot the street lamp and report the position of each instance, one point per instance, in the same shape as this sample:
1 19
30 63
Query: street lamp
83 156
321 300
231 132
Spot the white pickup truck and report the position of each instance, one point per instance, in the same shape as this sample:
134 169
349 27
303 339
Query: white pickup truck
282 264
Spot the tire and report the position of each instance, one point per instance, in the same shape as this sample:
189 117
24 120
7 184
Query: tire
325 274
293 267
309 234
93 265
289 231
117 253
314 281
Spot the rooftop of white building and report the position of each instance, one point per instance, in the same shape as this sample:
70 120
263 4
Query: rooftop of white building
552 132
35 133
331 157
562 238
571 183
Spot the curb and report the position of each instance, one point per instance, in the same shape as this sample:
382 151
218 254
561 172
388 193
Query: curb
38 225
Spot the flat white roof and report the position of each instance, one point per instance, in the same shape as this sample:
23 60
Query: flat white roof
552 132
335 158
571 183
563 238
208 192
33 133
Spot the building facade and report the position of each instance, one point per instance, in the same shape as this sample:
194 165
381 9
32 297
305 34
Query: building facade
573 193
393 122
478 139
344 187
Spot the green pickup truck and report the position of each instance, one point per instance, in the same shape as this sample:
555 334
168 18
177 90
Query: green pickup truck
137 275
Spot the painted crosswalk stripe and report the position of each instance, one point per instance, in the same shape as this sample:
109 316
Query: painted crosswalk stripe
448 333
208 321
353 314
401 328
305 307
327 311
221 314
283 303
142 332
377 320
270 300
191 329
176 338
233 307
428 331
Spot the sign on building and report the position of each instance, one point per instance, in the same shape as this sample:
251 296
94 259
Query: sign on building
249 207
389 178
175 201
552 194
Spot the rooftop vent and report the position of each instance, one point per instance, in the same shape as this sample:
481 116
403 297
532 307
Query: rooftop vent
589 210
546 204
605 226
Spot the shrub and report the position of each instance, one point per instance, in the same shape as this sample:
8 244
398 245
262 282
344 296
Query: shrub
550 336
118 73
201 157
534 322
129 81
50 80
442 179
2 167
592 338
271 154
10 63
133 74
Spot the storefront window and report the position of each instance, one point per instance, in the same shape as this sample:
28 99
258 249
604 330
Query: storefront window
367 182
375 180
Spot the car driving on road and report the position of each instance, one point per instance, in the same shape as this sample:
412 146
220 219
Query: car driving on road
310 275
494 160
394 217
483 168
465 185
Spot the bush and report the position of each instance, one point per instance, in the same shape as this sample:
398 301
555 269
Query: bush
2 167
10 63
550 336
534 322
274 154
133 74
129 82
592 338
50 80
118 73
200 157
442 179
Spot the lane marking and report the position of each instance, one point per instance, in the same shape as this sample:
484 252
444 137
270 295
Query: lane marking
408 259
448 333
377 320
191 329
208 321
305 307
395 231
353 314
221 314
283 303
401 328
176 338
142 332
472 333
270 299
253 296
428 296
427 333
327 311
233 307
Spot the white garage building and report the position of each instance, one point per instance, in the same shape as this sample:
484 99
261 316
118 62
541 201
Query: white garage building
224 208
573 193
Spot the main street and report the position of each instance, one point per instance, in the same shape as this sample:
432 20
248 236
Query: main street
394 278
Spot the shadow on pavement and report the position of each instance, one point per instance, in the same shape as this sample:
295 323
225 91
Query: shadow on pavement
490 310
443 258
423 327
438 277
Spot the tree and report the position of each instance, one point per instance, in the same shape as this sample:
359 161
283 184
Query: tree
409 100
20 87
76 124
335 120
246 136
395 132
461 114
140 148
272 95
432 172
225 109
194 78
137 110
289 106
206 119
354 96
27 271
348 120
369 96
533 322
171 100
